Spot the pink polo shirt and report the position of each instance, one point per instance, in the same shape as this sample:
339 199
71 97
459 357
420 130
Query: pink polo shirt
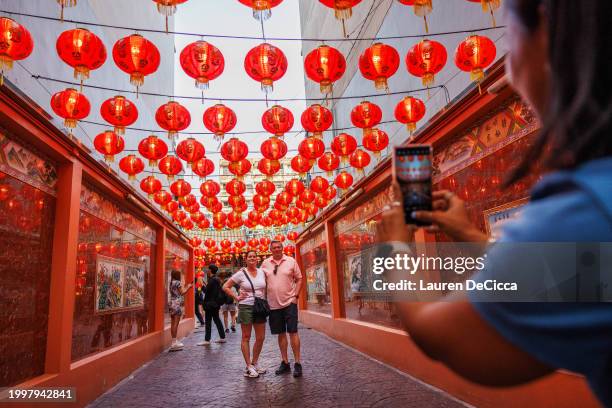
282 287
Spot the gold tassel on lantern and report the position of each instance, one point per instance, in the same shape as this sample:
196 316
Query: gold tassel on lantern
421 9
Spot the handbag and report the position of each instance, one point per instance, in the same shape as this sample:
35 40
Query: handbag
261 308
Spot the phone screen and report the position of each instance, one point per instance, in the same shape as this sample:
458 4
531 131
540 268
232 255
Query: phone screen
412 168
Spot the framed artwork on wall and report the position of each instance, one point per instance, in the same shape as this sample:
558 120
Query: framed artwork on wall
119 285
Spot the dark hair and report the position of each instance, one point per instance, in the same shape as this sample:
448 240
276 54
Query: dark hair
577 126
175 275
275 242
213 268
249 251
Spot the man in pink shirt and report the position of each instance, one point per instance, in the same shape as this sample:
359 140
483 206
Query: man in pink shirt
284 284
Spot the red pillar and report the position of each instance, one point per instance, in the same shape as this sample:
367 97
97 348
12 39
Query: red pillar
189 296
335 281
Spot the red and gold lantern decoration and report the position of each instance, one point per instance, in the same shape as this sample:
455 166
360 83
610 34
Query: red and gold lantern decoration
328 163
240 168
316 119
65 3
234 220
109 144
274 149
343 146
152 186
320 202
203 62
319 184
119 112
203 167
187 200
235 187
82 50
136 56
195 242
167 8
153 149
71 105
295 187
131 165
344 181
301 165
330 193
219 119
409 111
284 198
378 63
343 9
253 242
376 141
262 9
234 150
190 150
268 167
360 160
173 117
292 236
265 188
172 206
266 63
489 6
16 44
180 188
204 224
425 59
170 166
265 241
474 55
365 116
209 243
210 188
277 120
325 65
422 8
311 148
261 200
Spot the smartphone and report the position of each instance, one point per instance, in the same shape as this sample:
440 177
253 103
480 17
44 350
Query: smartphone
412 169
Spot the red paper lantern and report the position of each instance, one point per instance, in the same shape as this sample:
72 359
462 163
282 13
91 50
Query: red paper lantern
343 9
280 207
343 145
253 242
187 200
180 188
208 202
265 241
344 180
187 224
109 144
261 200
311 148
172 206
328 162
266 63
234 220
193 208
268 167
292 236
254 216
240 168
274 149
376 141
195 241
319 184
219 119
196 216
153 149
421 9
203 167
173 117
170 166
301 165
204 224
474 54
235 187
131 165
210 188
284 198
277 120
71 105
203 62
16 44
325 65
265 188
409 111
330 193
119 112
295 187
365 116
360 160
151 186
236 201
190 150
425 59
378 63
320 202
167 8
316 119
82 50
489 6
307 196
234 150
215 207
262 9
136 56
219 218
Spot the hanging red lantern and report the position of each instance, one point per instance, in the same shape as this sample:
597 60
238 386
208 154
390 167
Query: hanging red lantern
319 184
280 207
209 243
284 198
378 63
16 44
262 9
265 241
365 116
343 146
234 150
316 119
277 120
311 148
262 209
239 168
253 242
289 250
153 149
151 186
208 202
173 117
261 200
240 243
376 141
215 207
193 208
203 62
195 242
254 216
168 8
343 180
268 167
190 150
301 165
187 200
234 220
172 206
325 65
187 224
210 188
119 112
235 187
273 149
235 201
170 166
219 218
203 167
320 202
279 237
82 50
307 196
196 216
330 193
489 6
425 59
292 236
360 160
131 165
219 119
409 111
180 188
343 9
422 8
136 56
71 105
109 144
295 187
474 55
265 188
204 224
266 63
328 163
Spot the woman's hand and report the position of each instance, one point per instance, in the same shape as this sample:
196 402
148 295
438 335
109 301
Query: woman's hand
392 226
241 296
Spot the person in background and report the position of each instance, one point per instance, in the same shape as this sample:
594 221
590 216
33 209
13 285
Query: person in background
213 298
558 60
177 300
229 307
199 299
252 283
284 284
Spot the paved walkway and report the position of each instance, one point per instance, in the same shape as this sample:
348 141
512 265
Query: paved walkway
334 376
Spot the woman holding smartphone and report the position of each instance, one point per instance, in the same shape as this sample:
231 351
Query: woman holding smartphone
558 60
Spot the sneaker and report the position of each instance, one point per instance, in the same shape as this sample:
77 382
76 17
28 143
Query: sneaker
260 370
297 370
176 346
251 372
234 329
204 343
179 344
220 341
284 368
227 330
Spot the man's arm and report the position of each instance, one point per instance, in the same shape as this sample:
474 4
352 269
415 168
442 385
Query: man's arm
297 276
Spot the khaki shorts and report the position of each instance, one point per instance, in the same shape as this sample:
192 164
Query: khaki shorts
228 308
245 315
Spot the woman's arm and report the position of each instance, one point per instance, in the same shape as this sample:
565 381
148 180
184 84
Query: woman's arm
186 289
227 288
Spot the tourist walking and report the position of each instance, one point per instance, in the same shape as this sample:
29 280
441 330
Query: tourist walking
252 285
199 299
229 308
213 299
177 301
284 280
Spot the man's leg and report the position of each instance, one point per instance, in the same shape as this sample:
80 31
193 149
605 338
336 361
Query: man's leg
208 316
295 346
277 327
217 321
283 345
291 323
